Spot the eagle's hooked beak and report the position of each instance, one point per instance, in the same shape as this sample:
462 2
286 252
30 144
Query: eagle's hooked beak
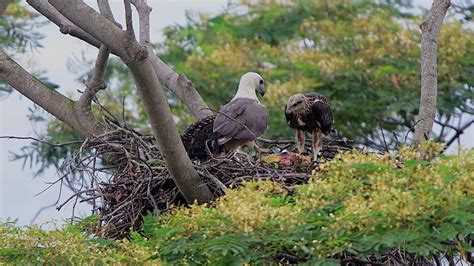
261 89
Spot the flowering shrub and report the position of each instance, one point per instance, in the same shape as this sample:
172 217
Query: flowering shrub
68 245
356 205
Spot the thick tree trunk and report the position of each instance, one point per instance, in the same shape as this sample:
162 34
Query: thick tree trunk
430 29
136 58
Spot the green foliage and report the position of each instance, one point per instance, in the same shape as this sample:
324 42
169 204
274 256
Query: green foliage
67 246
18 28
358 204
363 55
18 31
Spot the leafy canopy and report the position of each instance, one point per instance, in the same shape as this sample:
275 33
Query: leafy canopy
363 55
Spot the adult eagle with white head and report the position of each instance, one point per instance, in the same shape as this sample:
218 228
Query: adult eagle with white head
240 122
309 112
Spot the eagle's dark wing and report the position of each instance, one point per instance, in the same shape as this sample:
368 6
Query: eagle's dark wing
197 138
242 118
321 111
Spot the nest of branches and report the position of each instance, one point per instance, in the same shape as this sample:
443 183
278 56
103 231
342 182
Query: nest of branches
134 180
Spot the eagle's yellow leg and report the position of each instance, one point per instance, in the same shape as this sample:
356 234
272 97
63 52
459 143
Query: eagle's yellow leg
317 143
300 139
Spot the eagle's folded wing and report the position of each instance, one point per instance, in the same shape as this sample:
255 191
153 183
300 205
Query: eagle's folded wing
242 118
322 113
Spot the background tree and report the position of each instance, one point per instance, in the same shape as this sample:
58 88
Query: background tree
430 29
363 55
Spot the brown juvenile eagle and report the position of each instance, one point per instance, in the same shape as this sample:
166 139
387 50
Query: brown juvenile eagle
240 122
309 112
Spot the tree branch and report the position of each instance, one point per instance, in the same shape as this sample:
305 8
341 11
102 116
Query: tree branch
177 83
144 20
65 26
96 83
430 29
459 132
154 100
128 19
105 10
49 99
100 28
55 145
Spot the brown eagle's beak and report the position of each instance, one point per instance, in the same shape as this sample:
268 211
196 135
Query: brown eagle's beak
261 89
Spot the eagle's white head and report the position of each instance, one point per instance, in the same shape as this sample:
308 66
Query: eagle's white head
249 83
296 103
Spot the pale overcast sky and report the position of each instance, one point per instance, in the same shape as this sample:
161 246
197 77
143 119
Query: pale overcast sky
17 187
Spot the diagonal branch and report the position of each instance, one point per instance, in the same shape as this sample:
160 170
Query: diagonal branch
104 30
96 83
177 83
459 132
65 26
154 100
49 99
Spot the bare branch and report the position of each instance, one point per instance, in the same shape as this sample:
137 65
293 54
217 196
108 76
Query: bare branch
128 18
96 82
65 25
459 132
101 28
154 100
105 10
177 83
443 128
144 20
446 124
49 99
383 136
56 145
430 29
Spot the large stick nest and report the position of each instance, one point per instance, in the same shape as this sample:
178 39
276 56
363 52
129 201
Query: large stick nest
135 180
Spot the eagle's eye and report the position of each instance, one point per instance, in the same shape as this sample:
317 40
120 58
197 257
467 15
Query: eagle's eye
261 81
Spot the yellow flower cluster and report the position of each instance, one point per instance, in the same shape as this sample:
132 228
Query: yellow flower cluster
67 246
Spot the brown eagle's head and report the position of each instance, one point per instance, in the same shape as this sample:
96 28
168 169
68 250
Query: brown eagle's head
296 103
